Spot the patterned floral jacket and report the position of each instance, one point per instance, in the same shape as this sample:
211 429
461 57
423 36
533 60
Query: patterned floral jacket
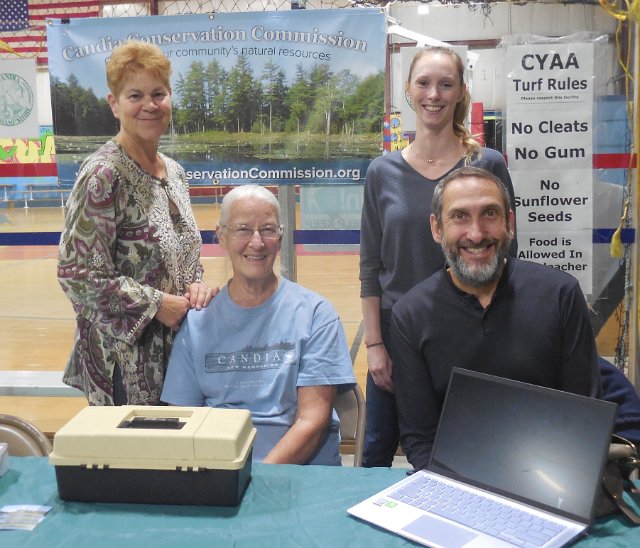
122 245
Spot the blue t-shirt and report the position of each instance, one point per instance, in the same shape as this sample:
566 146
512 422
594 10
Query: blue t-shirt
256 358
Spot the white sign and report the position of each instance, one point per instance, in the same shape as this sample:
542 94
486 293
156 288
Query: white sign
554 199
538 137
550 148
18 101
569 251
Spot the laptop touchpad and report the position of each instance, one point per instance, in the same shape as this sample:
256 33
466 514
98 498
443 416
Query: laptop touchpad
439 532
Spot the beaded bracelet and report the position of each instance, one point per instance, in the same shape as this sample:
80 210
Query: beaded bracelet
373 344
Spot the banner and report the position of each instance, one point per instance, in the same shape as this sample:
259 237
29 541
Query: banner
549 133
288 97
394 137
27 154
18 101
28 169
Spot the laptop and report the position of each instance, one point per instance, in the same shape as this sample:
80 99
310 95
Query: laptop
513 464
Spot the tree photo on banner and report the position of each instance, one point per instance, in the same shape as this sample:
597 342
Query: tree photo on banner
289 97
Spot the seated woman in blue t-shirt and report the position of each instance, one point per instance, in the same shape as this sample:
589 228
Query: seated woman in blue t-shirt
264 344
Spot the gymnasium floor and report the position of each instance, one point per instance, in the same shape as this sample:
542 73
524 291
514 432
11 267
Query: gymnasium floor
37 321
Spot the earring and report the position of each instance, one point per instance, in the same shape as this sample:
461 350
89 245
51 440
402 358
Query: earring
408 99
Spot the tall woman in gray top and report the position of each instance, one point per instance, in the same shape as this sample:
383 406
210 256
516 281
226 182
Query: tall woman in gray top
396 247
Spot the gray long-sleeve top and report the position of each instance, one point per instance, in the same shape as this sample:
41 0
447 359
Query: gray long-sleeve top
396 247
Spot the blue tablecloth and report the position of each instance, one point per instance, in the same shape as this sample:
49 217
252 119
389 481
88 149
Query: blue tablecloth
297 506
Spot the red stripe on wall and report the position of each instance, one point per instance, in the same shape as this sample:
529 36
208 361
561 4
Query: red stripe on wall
613 161
28 170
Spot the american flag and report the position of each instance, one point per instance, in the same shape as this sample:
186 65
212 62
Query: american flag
22 24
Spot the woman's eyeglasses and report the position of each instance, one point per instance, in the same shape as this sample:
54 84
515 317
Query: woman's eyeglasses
245 233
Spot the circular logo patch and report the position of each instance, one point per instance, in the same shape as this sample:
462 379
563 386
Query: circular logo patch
16 99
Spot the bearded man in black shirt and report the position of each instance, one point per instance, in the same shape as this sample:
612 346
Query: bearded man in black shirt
484 311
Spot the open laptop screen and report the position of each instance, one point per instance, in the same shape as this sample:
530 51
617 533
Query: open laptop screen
533 444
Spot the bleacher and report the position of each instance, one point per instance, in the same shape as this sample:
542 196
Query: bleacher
34 195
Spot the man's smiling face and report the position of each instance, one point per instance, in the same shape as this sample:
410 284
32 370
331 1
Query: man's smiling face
475 232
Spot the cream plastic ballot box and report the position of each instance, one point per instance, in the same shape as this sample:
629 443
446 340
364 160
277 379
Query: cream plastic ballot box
154 455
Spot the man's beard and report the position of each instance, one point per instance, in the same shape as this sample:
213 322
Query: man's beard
478 275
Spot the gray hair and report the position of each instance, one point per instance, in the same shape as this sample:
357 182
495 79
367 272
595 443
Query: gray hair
466 173
248 191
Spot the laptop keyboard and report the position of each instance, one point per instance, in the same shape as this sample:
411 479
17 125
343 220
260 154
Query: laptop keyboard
477 512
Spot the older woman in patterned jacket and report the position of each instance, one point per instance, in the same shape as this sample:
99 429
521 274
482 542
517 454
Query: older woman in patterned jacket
129 256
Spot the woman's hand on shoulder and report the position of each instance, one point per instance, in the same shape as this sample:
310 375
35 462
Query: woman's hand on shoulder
200 295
